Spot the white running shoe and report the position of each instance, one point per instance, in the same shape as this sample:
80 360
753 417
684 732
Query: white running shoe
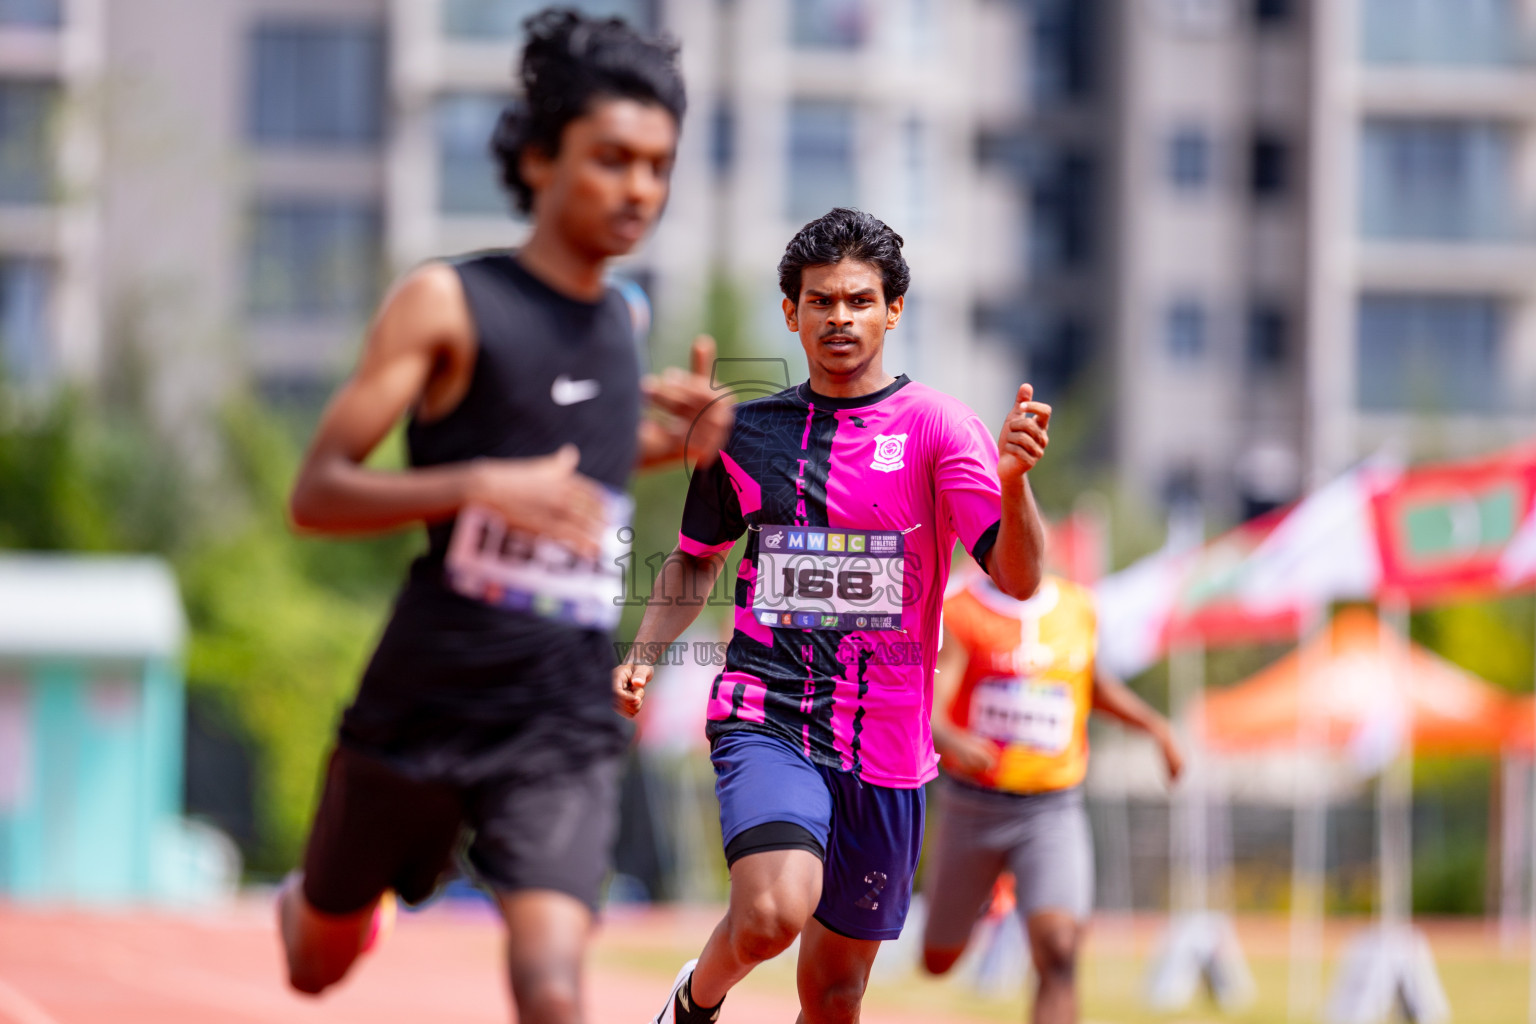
668 1014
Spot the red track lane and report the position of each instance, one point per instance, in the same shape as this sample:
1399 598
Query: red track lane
442 966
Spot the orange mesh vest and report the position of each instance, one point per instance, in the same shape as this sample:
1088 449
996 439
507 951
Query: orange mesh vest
1028 684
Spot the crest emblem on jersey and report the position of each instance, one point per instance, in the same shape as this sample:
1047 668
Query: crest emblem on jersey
889 450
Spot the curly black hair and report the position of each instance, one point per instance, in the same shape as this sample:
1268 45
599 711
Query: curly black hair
569 61
846 234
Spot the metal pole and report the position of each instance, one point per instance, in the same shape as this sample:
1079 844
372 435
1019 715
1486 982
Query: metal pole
1308 836
1394 807
1531 901
1186 834
1513 835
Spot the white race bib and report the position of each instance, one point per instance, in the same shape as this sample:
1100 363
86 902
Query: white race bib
812 577
1030 713
491 562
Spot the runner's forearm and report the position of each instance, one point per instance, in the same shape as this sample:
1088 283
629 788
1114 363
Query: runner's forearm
1015 561
658 447
338 496
1119 701
681 588
945 736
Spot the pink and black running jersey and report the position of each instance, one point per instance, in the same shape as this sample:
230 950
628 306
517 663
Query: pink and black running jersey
854 506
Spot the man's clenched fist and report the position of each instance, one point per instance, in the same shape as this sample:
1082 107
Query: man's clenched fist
629 682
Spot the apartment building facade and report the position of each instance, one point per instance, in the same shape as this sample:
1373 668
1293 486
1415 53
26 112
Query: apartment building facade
223 190
796 106
50 263
1282 234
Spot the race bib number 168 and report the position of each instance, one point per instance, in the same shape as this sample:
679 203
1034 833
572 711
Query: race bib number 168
829 578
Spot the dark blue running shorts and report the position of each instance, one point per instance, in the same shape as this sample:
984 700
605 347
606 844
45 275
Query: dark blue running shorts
869 836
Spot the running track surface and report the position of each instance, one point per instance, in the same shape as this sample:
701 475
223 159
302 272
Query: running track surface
441 966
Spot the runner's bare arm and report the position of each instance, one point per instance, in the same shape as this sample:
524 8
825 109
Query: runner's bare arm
959 751
1015 562
1117 700
419 354
688 416
681 587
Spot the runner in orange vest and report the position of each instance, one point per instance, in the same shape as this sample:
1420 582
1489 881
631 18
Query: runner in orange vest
1015 684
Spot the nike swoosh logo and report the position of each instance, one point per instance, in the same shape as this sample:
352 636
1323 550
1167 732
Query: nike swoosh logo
569 392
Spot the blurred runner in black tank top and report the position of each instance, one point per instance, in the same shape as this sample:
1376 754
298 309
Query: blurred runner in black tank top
486 703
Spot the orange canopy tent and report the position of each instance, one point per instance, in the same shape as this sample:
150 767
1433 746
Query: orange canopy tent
1354 673
1521 734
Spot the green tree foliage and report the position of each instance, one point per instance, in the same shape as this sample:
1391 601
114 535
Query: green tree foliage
280 625
74 479
1492 639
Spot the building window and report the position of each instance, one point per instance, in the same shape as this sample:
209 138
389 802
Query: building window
1445 32
821 164
298 394
1269 167
1185 328
1189 159
24 336
1061 50
1267 342
921 31
502 20
1060 347
318 84
1441 180
1272 13
722 140
1062 185
1430 353
828 24
34 13
26 146
1195 17
1182 488
468 177
314 260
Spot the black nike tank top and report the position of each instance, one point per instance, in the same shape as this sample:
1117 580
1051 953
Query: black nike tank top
450 674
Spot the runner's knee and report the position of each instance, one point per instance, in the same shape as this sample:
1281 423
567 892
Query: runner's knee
766 926
939 961
1055 951
547 999
837 1001
313 975
318 952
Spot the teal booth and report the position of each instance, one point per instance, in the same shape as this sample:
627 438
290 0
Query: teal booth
91 724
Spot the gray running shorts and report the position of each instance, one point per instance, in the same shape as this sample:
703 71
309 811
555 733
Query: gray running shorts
1043 838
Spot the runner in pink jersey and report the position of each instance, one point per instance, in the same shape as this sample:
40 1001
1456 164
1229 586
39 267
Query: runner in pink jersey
869 712
852 489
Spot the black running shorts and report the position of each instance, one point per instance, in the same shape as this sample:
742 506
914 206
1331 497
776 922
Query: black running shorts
378 829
